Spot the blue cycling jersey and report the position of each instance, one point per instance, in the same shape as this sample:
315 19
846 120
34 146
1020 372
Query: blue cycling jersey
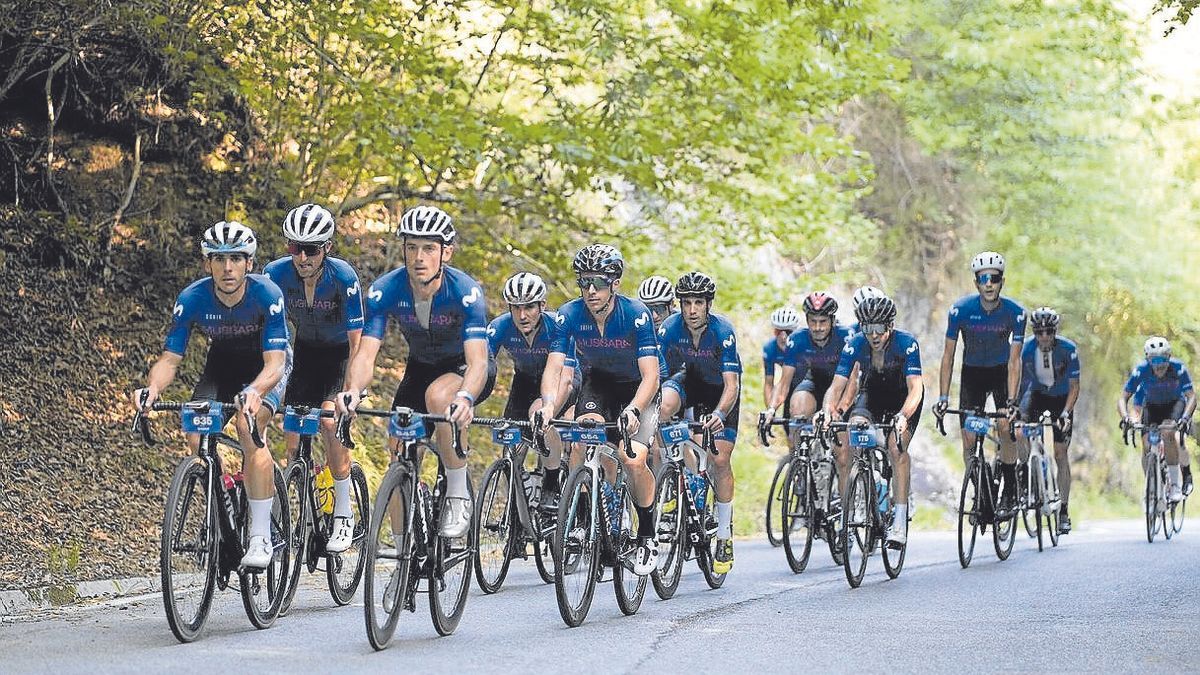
457 314
713 355
773 355
336 307
1154 390
807 357
986 336
1063 361
901 358
528 359
256 324
628 336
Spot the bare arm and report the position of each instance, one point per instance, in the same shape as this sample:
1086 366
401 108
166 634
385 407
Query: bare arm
1014 370
947 371
274 362
162 373
1072 395
475 377
834 395
1123 404
648 366
551 377
733 385
355 339
362 364
916 390
776 396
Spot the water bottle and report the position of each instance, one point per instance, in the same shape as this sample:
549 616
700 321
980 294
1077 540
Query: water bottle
612 510
880 491
324 485
699 488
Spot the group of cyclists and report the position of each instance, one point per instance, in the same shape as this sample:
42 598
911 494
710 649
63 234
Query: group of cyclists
607 357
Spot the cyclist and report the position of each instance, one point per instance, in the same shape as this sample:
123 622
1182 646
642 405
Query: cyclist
617 350
889 362
784 321
993 329
814 352
325 307
851 392
1050 382
243 316
1167 398
443 317
701 352
524 331
1185 460
659 296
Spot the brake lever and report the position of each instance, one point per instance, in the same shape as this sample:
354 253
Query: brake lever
623 428
251 423
539 434
458 447
764 429
140 423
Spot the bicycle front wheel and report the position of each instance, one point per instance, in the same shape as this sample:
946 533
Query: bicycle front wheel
387 582
1177 510
773 517
797 520
968 514
343 571
577 543
858 526
629 587
495 526
295 486
263 590
1152 501
672 521
706 555
187 549
450 576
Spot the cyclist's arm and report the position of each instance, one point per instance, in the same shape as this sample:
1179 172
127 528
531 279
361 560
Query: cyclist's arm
733 385
162 373
274 362
775 397
1123 404
355 339
362 363
947 371
1190 402
916 390
768 385
552 376
474 379
1014 369
847 401
834 395
565 381
1072 395
648 366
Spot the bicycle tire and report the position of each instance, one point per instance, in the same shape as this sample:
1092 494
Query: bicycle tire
1177 515
706 554
968 514
191 477
775 504
1151 503
263 610
448 600
665 577
495 526
858 525
298 537
629 588
797 511
575 511
343 586
893 559
397 485
541 551
1038 499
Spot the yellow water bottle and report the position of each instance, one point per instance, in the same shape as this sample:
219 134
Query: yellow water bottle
324 483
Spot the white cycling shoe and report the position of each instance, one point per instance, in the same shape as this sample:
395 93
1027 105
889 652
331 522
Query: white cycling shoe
258 553
456 519
645 558
342 536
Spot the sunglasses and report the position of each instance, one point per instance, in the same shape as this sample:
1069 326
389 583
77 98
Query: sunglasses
599 283
310 250
660 308
989 278
1044 331
875 328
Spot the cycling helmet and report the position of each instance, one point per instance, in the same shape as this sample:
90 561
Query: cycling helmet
229 237
696 285
1043 318
820 304
785 318
1157 347
656 290
876 310
599 259
308 224
988 260
524 288
426 222
865 292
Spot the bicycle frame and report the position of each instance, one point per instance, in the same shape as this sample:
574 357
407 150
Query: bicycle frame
1041 465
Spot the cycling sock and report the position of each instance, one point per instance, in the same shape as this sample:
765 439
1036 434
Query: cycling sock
645 516
902 514
1174 473
456 483
260 517
341 498
550 481
725 520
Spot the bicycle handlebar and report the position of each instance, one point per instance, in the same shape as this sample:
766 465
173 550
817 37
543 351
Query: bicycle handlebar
405 415
707 440
141 423
621 426
941 419
764 427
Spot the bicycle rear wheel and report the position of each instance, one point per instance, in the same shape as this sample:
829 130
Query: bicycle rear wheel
263 590
628 587
706 554
797 520
1004 536
343 571
295 487
968 514
1177 511
450 576
495 526
893 559
775 507
388 550
672 522
543 555
857 526
577 542
187 549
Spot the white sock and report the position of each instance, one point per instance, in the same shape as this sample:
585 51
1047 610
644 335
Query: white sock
260 517
901 513
1176 474
725 520
341 498
456 483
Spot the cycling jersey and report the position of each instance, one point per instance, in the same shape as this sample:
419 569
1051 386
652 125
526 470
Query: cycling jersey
902 358
986 336
628 336
818 362
773 355
528 359
707 360
256 324
457 314
336 306
1060 364
1157 391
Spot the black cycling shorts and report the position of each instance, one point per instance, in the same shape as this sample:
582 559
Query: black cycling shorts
1157 413
703 398
979 382
528 388
816 385
227 373
787 401
607 397
1034 403
318 373
878 402
418 376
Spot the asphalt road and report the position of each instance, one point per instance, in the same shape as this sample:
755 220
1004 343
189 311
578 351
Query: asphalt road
1104 601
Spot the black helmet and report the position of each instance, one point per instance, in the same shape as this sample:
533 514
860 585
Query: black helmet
1043 318
599 259
696 285
876 310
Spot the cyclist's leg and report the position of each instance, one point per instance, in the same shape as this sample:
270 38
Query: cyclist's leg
972 395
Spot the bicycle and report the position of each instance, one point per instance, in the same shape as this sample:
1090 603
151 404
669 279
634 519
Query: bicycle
595 533
684 500
403 544
205 528
508 516
1160 511
1039 494
976 508
808 494
312 522
867 508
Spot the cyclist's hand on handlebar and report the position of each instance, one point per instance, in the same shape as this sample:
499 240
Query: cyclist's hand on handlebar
820 419
251 400
1065 421
346 402
942 405
151 397
714 423
901 423
460 412
632 419
766 416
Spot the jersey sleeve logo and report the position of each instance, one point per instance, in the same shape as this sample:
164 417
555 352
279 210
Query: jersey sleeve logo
276 307
352 291
729 342
560 319
641 320
472 297
178 311
375 294
848 349
911 348
954 311
790 343
491 331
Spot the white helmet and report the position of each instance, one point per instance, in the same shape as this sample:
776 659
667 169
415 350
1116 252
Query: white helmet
426 222
865 292
308 224
229 237
988 260
655 290
1157 346
524 288
785 318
